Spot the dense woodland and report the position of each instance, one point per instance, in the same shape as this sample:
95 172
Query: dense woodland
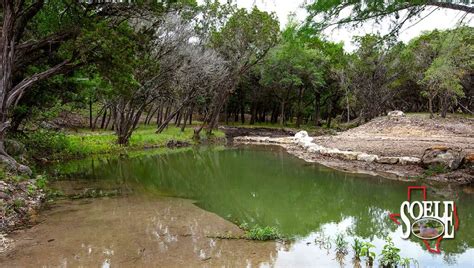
177 62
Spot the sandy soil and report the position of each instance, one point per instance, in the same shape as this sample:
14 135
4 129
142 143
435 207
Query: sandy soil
133 232
406 136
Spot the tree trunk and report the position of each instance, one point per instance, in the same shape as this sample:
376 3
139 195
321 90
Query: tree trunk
90 113
183 127
282 116
104 116
253 113
317 109
191 114
430 107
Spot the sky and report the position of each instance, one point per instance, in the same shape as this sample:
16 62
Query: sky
439 19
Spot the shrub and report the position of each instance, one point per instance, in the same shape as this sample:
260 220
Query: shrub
434 170
45 143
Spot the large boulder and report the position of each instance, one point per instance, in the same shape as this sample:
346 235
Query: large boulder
442 156
301 134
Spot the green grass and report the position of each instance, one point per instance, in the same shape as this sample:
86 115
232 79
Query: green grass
72 145
261 233
99 142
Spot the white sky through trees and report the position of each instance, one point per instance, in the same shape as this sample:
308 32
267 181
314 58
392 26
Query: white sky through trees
439 19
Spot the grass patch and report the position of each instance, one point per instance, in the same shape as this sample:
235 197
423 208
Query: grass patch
434 170
261 233
58 145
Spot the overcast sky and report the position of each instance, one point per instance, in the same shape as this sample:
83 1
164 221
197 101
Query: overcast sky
439 19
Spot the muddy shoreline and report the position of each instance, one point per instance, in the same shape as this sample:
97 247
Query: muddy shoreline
170 232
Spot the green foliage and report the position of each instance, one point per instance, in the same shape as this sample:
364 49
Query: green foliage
2 174
406 262
41 182
261 233
246 37
341 244
58 145
390 256
45 143
18 203
365 250
433 170
357 247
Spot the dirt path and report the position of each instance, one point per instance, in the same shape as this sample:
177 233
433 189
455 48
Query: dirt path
133 232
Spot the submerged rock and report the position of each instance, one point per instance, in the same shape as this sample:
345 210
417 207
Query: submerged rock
442 156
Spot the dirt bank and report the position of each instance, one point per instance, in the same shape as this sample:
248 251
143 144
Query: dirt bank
409 135
132 231
390 137
20 202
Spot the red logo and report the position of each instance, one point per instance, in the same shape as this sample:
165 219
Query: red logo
427 220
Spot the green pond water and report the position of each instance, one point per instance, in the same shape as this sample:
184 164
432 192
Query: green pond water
268 187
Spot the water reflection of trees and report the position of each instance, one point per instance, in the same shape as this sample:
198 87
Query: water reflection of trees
272 189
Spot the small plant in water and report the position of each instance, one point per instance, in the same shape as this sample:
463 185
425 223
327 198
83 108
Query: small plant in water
357 247
390 256
341 244
366 252
261 233
406 262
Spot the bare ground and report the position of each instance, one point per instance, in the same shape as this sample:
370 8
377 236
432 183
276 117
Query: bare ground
406 136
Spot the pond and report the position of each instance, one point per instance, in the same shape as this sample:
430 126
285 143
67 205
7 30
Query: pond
255 185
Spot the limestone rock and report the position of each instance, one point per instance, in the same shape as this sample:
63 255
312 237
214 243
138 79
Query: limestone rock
442 155
387 160
395 114
407 160
367 157
315 148
348 155
301 134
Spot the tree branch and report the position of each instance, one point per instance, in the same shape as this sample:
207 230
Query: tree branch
449 5
18 90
